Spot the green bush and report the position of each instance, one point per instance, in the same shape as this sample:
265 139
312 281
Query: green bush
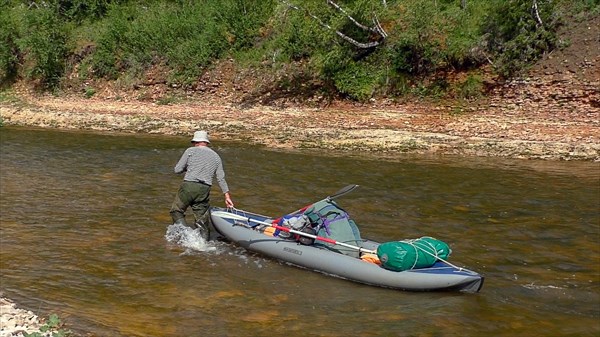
357 81
243 20
516 38
471 88
81 10
186 36
89 92
296 39
44 45
9 51
418 49
426 39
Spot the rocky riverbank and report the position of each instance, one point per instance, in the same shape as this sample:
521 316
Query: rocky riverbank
16 322
541 118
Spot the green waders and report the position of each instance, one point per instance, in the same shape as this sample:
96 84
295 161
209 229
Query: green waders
197 196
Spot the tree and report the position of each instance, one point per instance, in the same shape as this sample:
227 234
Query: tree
376 28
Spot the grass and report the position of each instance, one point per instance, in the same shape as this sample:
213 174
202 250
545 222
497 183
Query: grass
52 325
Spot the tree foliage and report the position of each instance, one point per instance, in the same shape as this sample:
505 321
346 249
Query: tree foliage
357 48
9 51
44 45
519 31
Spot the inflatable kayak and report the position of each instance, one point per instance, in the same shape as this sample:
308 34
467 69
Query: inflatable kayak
356 259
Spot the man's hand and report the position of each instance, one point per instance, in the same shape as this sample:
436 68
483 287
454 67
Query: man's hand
228 201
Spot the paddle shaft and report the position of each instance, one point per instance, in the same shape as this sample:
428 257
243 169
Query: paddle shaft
320 238
285 229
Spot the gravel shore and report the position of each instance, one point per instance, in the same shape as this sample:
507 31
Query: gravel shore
15 321
527 124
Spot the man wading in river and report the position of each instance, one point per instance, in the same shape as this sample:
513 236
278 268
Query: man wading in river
200 164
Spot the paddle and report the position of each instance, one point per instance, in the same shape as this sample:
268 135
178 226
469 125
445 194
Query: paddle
232 216
337 194
342 191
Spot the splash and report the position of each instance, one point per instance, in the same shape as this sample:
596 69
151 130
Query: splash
193 243
188 238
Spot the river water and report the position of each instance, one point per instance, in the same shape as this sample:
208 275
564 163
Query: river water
85 233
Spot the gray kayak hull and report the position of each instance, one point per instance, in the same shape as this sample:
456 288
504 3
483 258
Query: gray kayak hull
440 277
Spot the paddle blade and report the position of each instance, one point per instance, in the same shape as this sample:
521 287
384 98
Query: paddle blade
343 191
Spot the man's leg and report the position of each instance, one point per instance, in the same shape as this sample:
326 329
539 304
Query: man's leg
183 199
204 225
201 206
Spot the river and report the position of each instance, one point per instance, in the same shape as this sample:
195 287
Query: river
85 233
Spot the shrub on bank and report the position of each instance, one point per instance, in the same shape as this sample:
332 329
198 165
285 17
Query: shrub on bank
52 327
35 43
358 49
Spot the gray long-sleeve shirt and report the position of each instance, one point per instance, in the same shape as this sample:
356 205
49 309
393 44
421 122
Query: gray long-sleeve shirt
201 164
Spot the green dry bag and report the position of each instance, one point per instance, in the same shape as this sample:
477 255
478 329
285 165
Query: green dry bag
412 254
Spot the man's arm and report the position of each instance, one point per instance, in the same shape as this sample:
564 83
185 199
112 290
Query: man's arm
181 165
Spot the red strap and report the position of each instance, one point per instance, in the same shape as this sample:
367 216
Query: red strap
320 238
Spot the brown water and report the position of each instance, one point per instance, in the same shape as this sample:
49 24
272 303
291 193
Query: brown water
85 234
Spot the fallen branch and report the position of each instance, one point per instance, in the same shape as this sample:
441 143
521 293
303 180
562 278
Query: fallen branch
376 29
536 13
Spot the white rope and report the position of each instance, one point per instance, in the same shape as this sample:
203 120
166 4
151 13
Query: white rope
415 245
246 219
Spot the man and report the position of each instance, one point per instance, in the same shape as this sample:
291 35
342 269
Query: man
200 164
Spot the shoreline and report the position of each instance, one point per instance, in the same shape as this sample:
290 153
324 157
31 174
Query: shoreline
494 129
15 321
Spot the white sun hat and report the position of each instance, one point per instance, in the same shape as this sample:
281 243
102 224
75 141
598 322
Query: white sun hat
200 136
